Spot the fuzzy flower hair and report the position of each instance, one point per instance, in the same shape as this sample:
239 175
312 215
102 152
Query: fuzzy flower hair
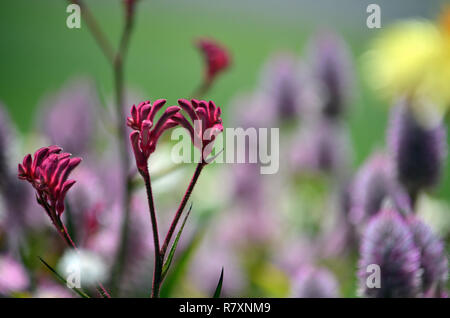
322 147
418 151
78 102
332 69
312 282
388 243
282 85
373 184
433 259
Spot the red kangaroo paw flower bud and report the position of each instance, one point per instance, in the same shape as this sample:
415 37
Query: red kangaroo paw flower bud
48 172
147 132
216 57
206 123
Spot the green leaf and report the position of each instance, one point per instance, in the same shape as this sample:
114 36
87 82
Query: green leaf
168 262
219 286
63 281
182 264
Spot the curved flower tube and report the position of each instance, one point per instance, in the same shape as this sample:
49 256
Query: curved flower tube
147 132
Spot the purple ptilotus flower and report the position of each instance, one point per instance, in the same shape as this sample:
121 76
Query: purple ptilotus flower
323 146
388 243
433 258
373 184
333 71
282 85
418 151
310 282
252 110
68 118
87 204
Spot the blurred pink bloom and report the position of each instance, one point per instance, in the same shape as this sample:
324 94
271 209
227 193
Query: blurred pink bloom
17 200
87 203
217 58
322 147
68 118
49 289
373 184
47 172
13 277
282 85
333 73
310 282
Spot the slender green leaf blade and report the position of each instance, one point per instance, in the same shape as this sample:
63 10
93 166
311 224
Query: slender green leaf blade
179 268
219 286
62 279
168 262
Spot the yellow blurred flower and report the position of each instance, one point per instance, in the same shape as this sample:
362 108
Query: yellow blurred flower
412 58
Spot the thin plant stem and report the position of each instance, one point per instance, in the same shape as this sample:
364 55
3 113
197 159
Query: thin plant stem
201 90
125 160
181 207
157 271
116 60
96 31
62 230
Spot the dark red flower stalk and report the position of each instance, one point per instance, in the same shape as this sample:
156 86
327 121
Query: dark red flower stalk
217 59
129 7
48 172
147 132
206 123
144 140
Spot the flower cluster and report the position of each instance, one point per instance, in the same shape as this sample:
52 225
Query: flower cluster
389 244
418 150
147 131
206 123
433 261
48 171
411 257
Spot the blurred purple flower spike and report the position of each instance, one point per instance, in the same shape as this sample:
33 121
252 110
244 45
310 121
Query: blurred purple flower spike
69 116
312 282
281 83
418 151
373 184
433 262
388 243
18 202
324 147
333 70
